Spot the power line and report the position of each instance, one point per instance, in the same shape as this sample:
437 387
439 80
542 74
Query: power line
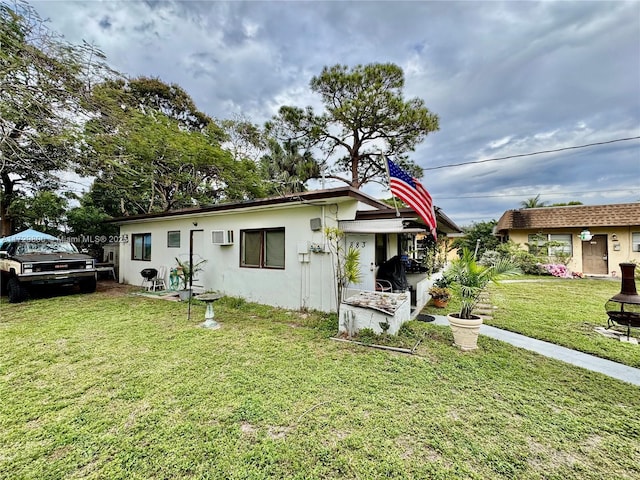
532 153
563 193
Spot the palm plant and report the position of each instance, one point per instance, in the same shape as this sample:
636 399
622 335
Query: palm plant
186 271
468 279
347 262
533 202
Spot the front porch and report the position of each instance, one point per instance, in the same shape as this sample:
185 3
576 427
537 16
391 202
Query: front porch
375 309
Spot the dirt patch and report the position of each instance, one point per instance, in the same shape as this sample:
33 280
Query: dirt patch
108 288
278 433
248 429
111 288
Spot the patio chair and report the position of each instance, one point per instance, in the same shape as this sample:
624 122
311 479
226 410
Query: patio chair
158 282
383 285
153 279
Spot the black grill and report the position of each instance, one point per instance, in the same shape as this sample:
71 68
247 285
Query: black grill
149 273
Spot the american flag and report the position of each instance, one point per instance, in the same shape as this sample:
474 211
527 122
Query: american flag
411 191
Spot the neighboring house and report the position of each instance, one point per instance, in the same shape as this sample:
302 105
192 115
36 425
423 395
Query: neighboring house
272 250
611 233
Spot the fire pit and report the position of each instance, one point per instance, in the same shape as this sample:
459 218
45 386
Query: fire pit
624 308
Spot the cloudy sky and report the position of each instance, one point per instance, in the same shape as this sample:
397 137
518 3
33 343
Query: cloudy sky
505 78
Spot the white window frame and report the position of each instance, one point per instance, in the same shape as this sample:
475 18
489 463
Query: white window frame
635 241
171 242
566 249
553 251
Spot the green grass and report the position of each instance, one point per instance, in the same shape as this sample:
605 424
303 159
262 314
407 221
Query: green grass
562 311
107 387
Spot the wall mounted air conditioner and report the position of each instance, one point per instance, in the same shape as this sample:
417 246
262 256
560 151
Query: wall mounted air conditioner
222 237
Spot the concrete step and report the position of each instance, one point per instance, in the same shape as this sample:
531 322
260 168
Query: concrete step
485 306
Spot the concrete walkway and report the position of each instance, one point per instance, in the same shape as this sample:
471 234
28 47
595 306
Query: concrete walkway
596 364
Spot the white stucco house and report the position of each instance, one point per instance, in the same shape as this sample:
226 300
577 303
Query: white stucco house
273 250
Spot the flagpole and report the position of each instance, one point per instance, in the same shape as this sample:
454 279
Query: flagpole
386 167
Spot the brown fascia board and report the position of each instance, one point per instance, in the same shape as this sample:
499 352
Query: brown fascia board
445 224
302 197
571 216
446 220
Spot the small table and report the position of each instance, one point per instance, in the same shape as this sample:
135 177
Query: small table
106 267
209 298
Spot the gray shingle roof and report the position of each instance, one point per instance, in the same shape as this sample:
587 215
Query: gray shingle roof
621 214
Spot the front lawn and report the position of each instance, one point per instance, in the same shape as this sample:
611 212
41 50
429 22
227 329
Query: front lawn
115 386
563 311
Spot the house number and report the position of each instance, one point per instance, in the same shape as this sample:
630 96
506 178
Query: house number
357 244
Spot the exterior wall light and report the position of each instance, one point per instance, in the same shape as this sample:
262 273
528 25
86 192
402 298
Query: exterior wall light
585 235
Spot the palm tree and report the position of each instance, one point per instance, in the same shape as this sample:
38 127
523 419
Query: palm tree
533 202
288 168
468 279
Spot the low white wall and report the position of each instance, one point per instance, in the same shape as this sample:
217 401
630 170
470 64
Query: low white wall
353 319
421 285
422 295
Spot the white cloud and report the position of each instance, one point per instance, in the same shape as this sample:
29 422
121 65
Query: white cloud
505 78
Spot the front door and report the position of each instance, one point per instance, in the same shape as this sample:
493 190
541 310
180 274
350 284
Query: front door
198 249
365 243
594 255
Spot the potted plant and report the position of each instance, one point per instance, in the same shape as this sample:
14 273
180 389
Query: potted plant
468 280
440 293
186 272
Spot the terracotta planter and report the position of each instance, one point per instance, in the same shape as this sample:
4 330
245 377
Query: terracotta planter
465 331
438 303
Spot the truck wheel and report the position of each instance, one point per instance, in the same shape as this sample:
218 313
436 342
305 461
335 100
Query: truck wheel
88 286
17 293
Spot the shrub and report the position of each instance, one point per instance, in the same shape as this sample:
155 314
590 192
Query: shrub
233 302
491 257
525 260
443 281
557 269
440 293
366 335
529 263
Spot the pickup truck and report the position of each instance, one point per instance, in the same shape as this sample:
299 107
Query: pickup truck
26 264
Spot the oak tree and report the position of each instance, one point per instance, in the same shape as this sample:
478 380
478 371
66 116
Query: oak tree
152 150
44 85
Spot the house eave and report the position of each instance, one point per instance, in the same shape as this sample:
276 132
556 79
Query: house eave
570 216
395 225
444 223
316 197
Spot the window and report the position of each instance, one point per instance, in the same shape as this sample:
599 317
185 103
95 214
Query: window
554 245
635 241
262 248
173 239
561 246
141 246
536 243
381 248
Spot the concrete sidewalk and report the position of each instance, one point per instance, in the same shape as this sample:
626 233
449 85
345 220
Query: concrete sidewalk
596 364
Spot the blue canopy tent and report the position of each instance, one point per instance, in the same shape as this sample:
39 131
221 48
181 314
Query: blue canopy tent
29 235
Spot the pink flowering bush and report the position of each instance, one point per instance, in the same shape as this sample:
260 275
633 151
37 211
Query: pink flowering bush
557 269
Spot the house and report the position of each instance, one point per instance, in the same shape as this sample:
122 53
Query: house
597 238
273 250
